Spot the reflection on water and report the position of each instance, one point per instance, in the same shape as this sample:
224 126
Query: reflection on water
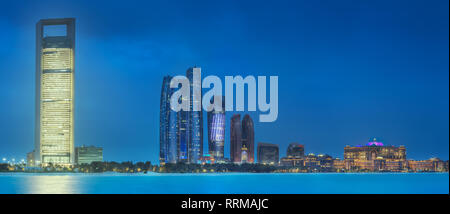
51 184
225 183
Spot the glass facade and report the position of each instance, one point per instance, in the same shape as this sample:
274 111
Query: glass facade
54 135
216 132
248 139
268 153
163 119
235 139
195 120
88 154
168 126
295 150
242 139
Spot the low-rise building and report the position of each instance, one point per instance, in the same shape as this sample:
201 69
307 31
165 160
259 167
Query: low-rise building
268 153
88 154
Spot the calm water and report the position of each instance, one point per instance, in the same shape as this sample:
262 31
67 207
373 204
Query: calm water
224 183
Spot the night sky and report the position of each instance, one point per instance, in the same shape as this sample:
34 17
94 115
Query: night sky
348 70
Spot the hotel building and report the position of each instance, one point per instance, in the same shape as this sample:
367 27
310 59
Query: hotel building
242 139
375 156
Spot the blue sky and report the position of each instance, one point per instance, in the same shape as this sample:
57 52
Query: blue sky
348 70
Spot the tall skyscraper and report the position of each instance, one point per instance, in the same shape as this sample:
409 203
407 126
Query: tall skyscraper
164 120
242 139
54 128
183 141
235 138
195 118
248 140
168 126
216 132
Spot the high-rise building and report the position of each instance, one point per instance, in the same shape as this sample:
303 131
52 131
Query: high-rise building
55 59
295 150
164 119
235 138
88 154
248 140
195 118
268 153
216 132
183 131
242 139
168 126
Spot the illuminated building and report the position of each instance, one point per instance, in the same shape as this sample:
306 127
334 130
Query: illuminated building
430 165
216 133
88 154
235 139
295 150
375 156
195 120
248 140
311 162
54 134
242 139
295 155
292 161
339 164
268 153
168 126
30 158
183 140
420 165
164 119
325 162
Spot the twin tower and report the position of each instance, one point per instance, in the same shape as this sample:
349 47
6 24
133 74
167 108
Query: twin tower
181 133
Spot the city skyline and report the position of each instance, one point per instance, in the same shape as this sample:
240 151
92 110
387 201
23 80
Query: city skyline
401 97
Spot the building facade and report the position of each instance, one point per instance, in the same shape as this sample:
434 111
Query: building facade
242 139
295 150
375 156
248 140
169 135
268 153
235 138
55 60
164 120
216 133
88 154
195 117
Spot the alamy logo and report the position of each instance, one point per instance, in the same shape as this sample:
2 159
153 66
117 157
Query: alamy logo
180 99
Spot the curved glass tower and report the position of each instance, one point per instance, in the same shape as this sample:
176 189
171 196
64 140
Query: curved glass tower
216 132
163 119
168 126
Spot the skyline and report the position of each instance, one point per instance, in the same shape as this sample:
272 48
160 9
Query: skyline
388 92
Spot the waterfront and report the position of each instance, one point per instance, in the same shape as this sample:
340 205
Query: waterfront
229 183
